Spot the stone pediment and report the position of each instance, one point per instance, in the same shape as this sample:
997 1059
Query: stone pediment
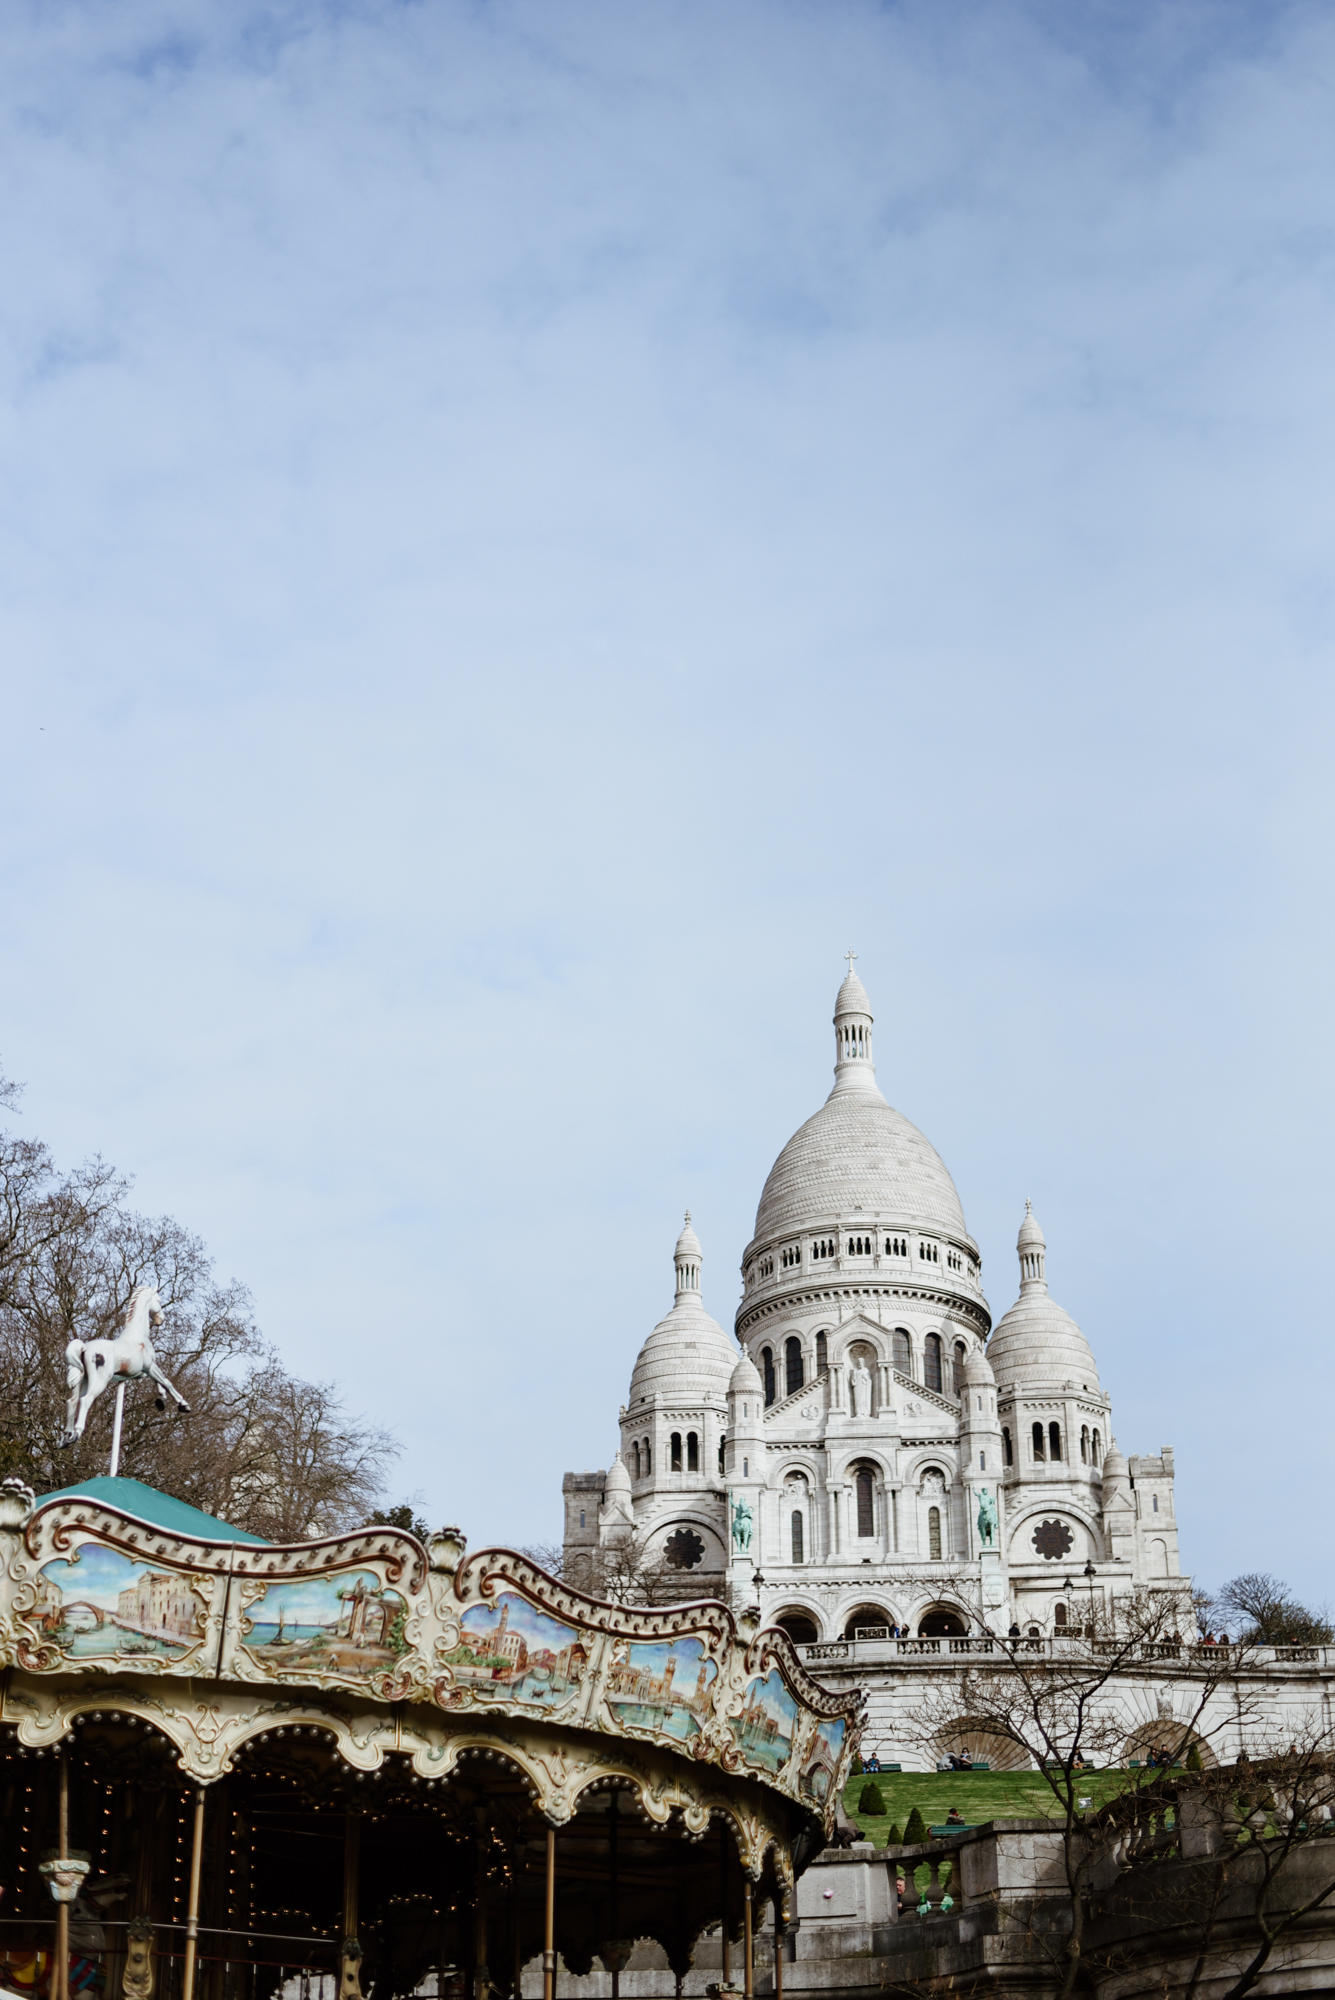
861 1322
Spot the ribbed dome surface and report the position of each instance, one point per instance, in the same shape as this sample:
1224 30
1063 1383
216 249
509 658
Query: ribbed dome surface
858 1152
1037 1345
688 1358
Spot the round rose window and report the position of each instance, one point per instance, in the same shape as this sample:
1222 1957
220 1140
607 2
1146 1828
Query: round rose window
1053 1539
684 1549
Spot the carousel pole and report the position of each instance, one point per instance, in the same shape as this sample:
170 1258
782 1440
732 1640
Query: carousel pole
614 1911
60 1989
192 1904
748 1942
481 1978
778 1947
725 1972
549 1922
116 1429
350 1952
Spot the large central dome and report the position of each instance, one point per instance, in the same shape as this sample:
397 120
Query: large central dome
857 1155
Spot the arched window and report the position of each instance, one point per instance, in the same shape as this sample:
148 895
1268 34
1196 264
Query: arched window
1007 1448
767 1370
647 1459
1054 1440
796 1526
903 1352
674 1452
931 1362
822 1354
1084 1444
1059 1615
934 1534
1039 1452
692 1452
960 1355
864 1486
793 1374
1097 1448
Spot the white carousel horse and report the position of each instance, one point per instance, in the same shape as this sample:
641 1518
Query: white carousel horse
95 1364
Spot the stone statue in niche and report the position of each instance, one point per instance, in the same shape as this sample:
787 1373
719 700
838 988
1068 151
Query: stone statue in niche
859 1387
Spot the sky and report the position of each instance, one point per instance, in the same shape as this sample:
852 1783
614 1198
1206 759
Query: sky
529 529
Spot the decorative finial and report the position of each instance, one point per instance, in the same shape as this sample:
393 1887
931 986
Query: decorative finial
1028 1206
850 955
687 1222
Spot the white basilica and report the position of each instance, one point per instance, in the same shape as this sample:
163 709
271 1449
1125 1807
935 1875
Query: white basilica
878 1455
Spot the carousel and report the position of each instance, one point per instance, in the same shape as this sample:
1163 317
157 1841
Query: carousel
371 1766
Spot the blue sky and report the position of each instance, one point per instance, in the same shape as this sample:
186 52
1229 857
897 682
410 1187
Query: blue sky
528 529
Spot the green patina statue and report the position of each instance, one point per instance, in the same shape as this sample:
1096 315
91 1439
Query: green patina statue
987 1518
741 1526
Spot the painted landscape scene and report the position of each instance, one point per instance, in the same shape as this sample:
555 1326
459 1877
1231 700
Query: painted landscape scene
349 1623
510 1649
663 1686
764 1729
101 1604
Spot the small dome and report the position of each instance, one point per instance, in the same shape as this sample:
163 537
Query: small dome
618 1479
745 1378
852 997
1037 1345
978 1370
1031 1236
688 1243
1114 1464
688 1358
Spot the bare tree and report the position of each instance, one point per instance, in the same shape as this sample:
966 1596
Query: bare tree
1258 1607
261 1448
1057 1705
624 1572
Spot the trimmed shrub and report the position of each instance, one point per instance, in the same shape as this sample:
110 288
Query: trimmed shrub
915 1829
870 1799
1194 1758
893 1836
857 1765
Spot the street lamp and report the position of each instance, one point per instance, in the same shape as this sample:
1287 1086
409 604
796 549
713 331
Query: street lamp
1089 1579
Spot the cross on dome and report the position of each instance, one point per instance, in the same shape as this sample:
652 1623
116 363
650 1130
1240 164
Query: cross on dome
850 955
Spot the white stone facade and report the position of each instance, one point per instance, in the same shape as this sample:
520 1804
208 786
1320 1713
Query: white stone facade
904 1469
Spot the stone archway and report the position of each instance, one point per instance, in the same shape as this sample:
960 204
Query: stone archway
800 1626
942 1621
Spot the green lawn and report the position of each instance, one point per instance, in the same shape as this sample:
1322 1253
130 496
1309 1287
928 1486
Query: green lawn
979 1795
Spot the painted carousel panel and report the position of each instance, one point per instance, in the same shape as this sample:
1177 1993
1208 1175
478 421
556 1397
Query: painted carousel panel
661 1685
101 1604
819 1772
510 1650
348 1623
765 1727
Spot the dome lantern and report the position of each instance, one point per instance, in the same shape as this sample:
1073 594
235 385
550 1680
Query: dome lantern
1033 1252
686 1258
853 1065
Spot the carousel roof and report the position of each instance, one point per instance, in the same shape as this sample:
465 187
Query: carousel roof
159 1510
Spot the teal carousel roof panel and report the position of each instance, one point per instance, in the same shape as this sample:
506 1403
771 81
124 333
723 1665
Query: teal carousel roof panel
160 1510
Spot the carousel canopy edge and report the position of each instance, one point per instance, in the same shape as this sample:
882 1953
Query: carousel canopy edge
113 1578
